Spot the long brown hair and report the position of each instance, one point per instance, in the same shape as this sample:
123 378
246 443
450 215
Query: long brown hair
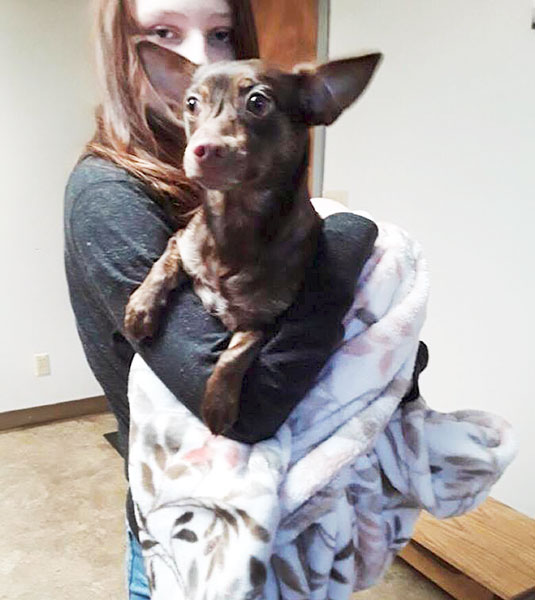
125 133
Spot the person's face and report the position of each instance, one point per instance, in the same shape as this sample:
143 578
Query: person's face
199 30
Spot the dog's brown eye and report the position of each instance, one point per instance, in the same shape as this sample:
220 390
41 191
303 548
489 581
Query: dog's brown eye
192 104
258 104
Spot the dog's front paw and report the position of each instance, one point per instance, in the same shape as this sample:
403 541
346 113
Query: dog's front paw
140 317
220 407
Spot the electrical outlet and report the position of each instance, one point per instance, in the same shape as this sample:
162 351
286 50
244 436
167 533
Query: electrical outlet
42 364
337 195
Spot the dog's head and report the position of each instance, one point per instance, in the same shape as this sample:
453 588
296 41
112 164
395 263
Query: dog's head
246 122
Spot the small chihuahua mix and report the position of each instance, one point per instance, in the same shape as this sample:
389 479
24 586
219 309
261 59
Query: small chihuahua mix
248 245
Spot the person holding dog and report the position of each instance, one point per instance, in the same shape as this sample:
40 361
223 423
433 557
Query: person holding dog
125 198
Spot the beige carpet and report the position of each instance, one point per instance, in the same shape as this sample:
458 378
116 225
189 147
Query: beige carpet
62 525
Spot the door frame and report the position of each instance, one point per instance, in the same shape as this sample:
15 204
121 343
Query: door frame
322 54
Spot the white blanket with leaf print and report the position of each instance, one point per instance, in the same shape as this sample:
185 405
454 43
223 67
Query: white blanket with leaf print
322 508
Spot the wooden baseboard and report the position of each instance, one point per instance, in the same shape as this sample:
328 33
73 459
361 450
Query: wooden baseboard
53 412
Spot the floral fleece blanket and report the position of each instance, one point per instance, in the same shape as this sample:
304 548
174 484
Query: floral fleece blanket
321 509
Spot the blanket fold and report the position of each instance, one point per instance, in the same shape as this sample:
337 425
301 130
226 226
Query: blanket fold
321 509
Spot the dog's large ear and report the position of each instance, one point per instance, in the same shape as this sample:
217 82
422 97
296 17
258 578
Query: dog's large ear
169 73
328 90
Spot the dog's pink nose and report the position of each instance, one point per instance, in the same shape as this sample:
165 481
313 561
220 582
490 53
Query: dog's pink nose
206 151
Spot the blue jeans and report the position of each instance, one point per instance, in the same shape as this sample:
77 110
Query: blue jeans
136 580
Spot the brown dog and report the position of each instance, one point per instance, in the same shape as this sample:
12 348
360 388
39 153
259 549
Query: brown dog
248 245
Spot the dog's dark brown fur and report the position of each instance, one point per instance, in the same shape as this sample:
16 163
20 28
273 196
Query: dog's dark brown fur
248 246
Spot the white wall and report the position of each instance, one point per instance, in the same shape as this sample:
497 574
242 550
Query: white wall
46 116
443 144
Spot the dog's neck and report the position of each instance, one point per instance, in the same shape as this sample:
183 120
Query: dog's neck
244 221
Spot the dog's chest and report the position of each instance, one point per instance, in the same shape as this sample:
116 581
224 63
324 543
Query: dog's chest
202 272
243 298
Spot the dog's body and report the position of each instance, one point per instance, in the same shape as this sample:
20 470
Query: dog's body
253 280
249 244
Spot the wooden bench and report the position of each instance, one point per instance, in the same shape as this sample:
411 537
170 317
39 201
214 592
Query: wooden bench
488 554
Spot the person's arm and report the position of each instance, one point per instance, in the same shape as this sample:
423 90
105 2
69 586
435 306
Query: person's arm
119 232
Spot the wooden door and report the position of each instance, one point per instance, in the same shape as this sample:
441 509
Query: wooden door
287 30
288 35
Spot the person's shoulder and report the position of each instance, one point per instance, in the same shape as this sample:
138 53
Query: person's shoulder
103 202
93 172
99 189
